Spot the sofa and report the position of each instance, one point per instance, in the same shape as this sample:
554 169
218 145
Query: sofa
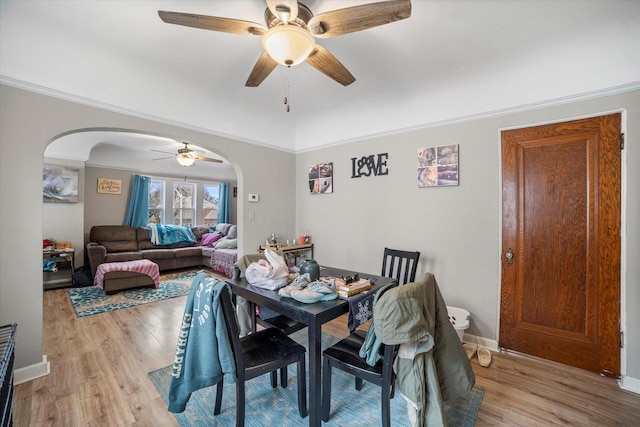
118 243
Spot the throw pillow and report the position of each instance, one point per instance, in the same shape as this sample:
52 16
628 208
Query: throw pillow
209 239
226 243
223 228
233 232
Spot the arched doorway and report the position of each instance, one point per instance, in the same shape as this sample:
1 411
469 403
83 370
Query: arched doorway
110 153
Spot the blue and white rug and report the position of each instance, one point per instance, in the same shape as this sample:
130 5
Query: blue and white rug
93 299
268 407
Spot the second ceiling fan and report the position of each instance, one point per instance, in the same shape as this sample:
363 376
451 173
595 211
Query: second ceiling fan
186 156
291 29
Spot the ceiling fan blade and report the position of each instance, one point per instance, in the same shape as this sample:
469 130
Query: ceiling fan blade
208 159
286 10
164 158
213 23
164 152
357 18
324 61
261 70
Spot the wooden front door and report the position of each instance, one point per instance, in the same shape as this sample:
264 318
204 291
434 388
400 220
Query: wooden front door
560 296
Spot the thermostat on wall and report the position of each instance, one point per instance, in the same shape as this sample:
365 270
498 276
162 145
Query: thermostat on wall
254 197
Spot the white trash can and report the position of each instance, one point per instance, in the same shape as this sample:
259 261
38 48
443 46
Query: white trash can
459 318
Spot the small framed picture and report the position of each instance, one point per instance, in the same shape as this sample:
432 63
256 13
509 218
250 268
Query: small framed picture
109 186
438 166
321 178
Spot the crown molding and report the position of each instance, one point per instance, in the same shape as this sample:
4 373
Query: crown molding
43 90
482 115
629 87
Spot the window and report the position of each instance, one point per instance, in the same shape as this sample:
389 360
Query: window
187 203
184 202
156 202
210 204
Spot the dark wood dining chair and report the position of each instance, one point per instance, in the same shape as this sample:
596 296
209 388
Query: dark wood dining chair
257 354
400 265
345 355
282 322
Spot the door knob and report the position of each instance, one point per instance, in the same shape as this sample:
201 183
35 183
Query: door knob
509 256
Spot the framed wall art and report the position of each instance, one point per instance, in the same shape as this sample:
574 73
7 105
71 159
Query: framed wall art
438 166
59 184
321 178
109 186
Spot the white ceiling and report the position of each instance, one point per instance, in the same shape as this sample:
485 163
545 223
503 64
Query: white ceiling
150 153
450 60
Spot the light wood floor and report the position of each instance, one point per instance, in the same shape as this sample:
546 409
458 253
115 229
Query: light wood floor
99 367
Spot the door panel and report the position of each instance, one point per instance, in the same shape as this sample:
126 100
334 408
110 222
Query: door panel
560 296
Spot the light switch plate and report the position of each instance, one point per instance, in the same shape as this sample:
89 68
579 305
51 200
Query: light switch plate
254 197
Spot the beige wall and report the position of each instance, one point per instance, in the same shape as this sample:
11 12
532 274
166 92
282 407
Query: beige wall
105 209
31 121
456 229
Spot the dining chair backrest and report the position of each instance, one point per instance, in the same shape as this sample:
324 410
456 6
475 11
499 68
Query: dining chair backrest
263 352
400 265
282 322
233 330
345 355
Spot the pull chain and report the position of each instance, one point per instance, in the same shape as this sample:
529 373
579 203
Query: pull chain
287 106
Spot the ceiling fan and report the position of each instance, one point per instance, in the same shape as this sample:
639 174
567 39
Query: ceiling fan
291 28
186 156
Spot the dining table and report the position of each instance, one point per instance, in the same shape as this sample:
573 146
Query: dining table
313 315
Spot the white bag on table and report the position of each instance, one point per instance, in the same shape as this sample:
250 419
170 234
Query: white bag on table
271 273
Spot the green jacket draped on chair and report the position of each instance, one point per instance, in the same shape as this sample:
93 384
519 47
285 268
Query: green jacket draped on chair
432 366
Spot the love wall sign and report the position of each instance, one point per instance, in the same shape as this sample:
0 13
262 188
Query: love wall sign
373 164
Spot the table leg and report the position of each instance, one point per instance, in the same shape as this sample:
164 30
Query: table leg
315 374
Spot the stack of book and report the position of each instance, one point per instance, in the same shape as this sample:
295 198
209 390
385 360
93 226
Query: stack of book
348 290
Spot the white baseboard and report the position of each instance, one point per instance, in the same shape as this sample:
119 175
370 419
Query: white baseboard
31 372
481 342
630 384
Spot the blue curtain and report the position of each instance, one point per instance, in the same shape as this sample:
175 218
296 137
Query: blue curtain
224 203
138 209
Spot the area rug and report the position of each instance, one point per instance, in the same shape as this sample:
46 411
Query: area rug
279 407
93 300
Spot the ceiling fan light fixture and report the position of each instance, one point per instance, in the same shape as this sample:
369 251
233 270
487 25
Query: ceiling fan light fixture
185 159
288 44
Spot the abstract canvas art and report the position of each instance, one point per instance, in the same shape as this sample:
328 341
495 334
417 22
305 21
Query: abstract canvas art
59 184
